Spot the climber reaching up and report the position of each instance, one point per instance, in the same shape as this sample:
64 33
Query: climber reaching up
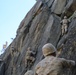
29 57
64 23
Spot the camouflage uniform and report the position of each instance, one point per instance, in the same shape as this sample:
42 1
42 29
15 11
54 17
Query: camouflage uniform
29 57
65 22
13 51
52 65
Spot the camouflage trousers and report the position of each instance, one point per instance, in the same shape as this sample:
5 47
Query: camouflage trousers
29 62
64 29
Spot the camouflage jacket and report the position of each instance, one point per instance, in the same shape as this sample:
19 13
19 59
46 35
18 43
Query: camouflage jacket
52 65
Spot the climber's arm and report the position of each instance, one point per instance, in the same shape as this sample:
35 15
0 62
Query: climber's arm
68 63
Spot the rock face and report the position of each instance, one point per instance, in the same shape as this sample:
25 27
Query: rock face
2 66
58 6
41 25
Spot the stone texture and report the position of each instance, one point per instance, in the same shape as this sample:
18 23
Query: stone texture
70 7
49 3
2 66
25 24
40 26
58 6
29 72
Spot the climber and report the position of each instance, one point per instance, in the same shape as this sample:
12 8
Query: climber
52 65
5 45
13 50
29 57
29 72
64 23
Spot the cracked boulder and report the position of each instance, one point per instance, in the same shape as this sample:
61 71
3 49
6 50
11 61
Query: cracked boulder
58 6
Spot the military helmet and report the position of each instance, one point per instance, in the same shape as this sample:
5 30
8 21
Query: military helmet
29 48
48 49
65 17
